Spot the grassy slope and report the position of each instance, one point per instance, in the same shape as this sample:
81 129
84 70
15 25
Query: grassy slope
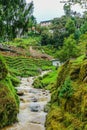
10 67
24 42
9 102
68 101
23 67
46 81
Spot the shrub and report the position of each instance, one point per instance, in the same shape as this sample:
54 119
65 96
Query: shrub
66 90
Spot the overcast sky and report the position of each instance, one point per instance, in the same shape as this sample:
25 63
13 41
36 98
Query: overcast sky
48 9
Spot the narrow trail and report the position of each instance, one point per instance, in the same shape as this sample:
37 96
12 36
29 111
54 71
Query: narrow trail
32 102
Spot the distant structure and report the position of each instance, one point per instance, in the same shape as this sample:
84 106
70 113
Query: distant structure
45 23
56 62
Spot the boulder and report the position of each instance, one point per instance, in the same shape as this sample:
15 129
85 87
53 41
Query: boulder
35 107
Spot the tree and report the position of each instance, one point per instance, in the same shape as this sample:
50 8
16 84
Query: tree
46 38
69 49
15 16
67 9
70 26
59 31
84 28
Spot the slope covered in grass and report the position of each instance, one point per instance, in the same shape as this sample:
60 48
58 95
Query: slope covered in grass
46 81
69 97
23 67
9 102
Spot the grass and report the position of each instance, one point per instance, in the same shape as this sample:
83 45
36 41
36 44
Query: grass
24 42
24 67
9 101
46 81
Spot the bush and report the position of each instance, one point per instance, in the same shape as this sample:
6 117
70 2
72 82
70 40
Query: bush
66 90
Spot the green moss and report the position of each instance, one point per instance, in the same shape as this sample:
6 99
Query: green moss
62 73
53 118
83 71
3 68
25 67
9 101
15 81
46 81
70 97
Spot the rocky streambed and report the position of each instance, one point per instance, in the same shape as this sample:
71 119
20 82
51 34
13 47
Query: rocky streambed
32 102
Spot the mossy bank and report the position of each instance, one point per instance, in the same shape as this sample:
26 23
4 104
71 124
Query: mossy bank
69 97
9 102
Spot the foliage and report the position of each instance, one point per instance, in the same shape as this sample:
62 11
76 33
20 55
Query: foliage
46 81
70 111
66 90
26 42
77 34
14 18
9 101
80 2
25 67
67 9
84 28
69 49
59 31
46 38
70 26
3 68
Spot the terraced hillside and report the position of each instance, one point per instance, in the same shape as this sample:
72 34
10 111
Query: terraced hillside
9 101
22 66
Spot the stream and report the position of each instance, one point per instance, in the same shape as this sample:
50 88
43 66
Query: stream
32 102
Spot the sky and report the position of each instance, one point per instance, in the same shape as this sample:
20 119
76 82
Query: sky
49 9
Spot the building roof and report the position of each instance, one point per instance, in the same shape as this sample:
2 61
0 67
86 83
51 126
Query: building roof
47 21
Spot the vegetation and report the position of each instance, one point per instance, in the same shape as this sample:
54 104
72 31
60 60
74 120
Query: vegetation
14 18
24 42
9 102
23 67
68 100
46 81
66 40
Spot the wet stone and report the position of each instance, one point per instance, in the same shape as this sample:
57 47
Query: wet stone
34 99
32 104
35 107
20 93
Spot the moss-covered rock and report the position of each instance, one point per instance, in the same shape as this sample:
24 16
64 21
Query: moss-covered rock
9 101
3 69
70 97
83 71
54 119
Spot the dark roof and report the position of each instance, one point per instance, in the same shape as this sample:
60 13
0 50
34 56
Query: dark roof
45 21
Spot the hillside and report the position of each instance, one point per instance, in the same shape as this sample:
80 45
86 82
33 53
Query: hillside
68 101
9 101
17 62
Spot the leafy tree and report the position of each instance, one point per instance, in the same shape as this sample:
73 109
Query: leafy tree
83 3
70 26
59 31
67 9
84 28
77 34
46 38
14 17
69 49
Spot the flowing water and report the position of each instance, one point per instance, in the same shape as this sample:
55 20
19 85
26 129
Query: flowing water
32 102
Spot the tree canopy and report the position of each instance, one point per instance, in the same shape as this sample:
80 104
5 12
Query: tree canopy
14 17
